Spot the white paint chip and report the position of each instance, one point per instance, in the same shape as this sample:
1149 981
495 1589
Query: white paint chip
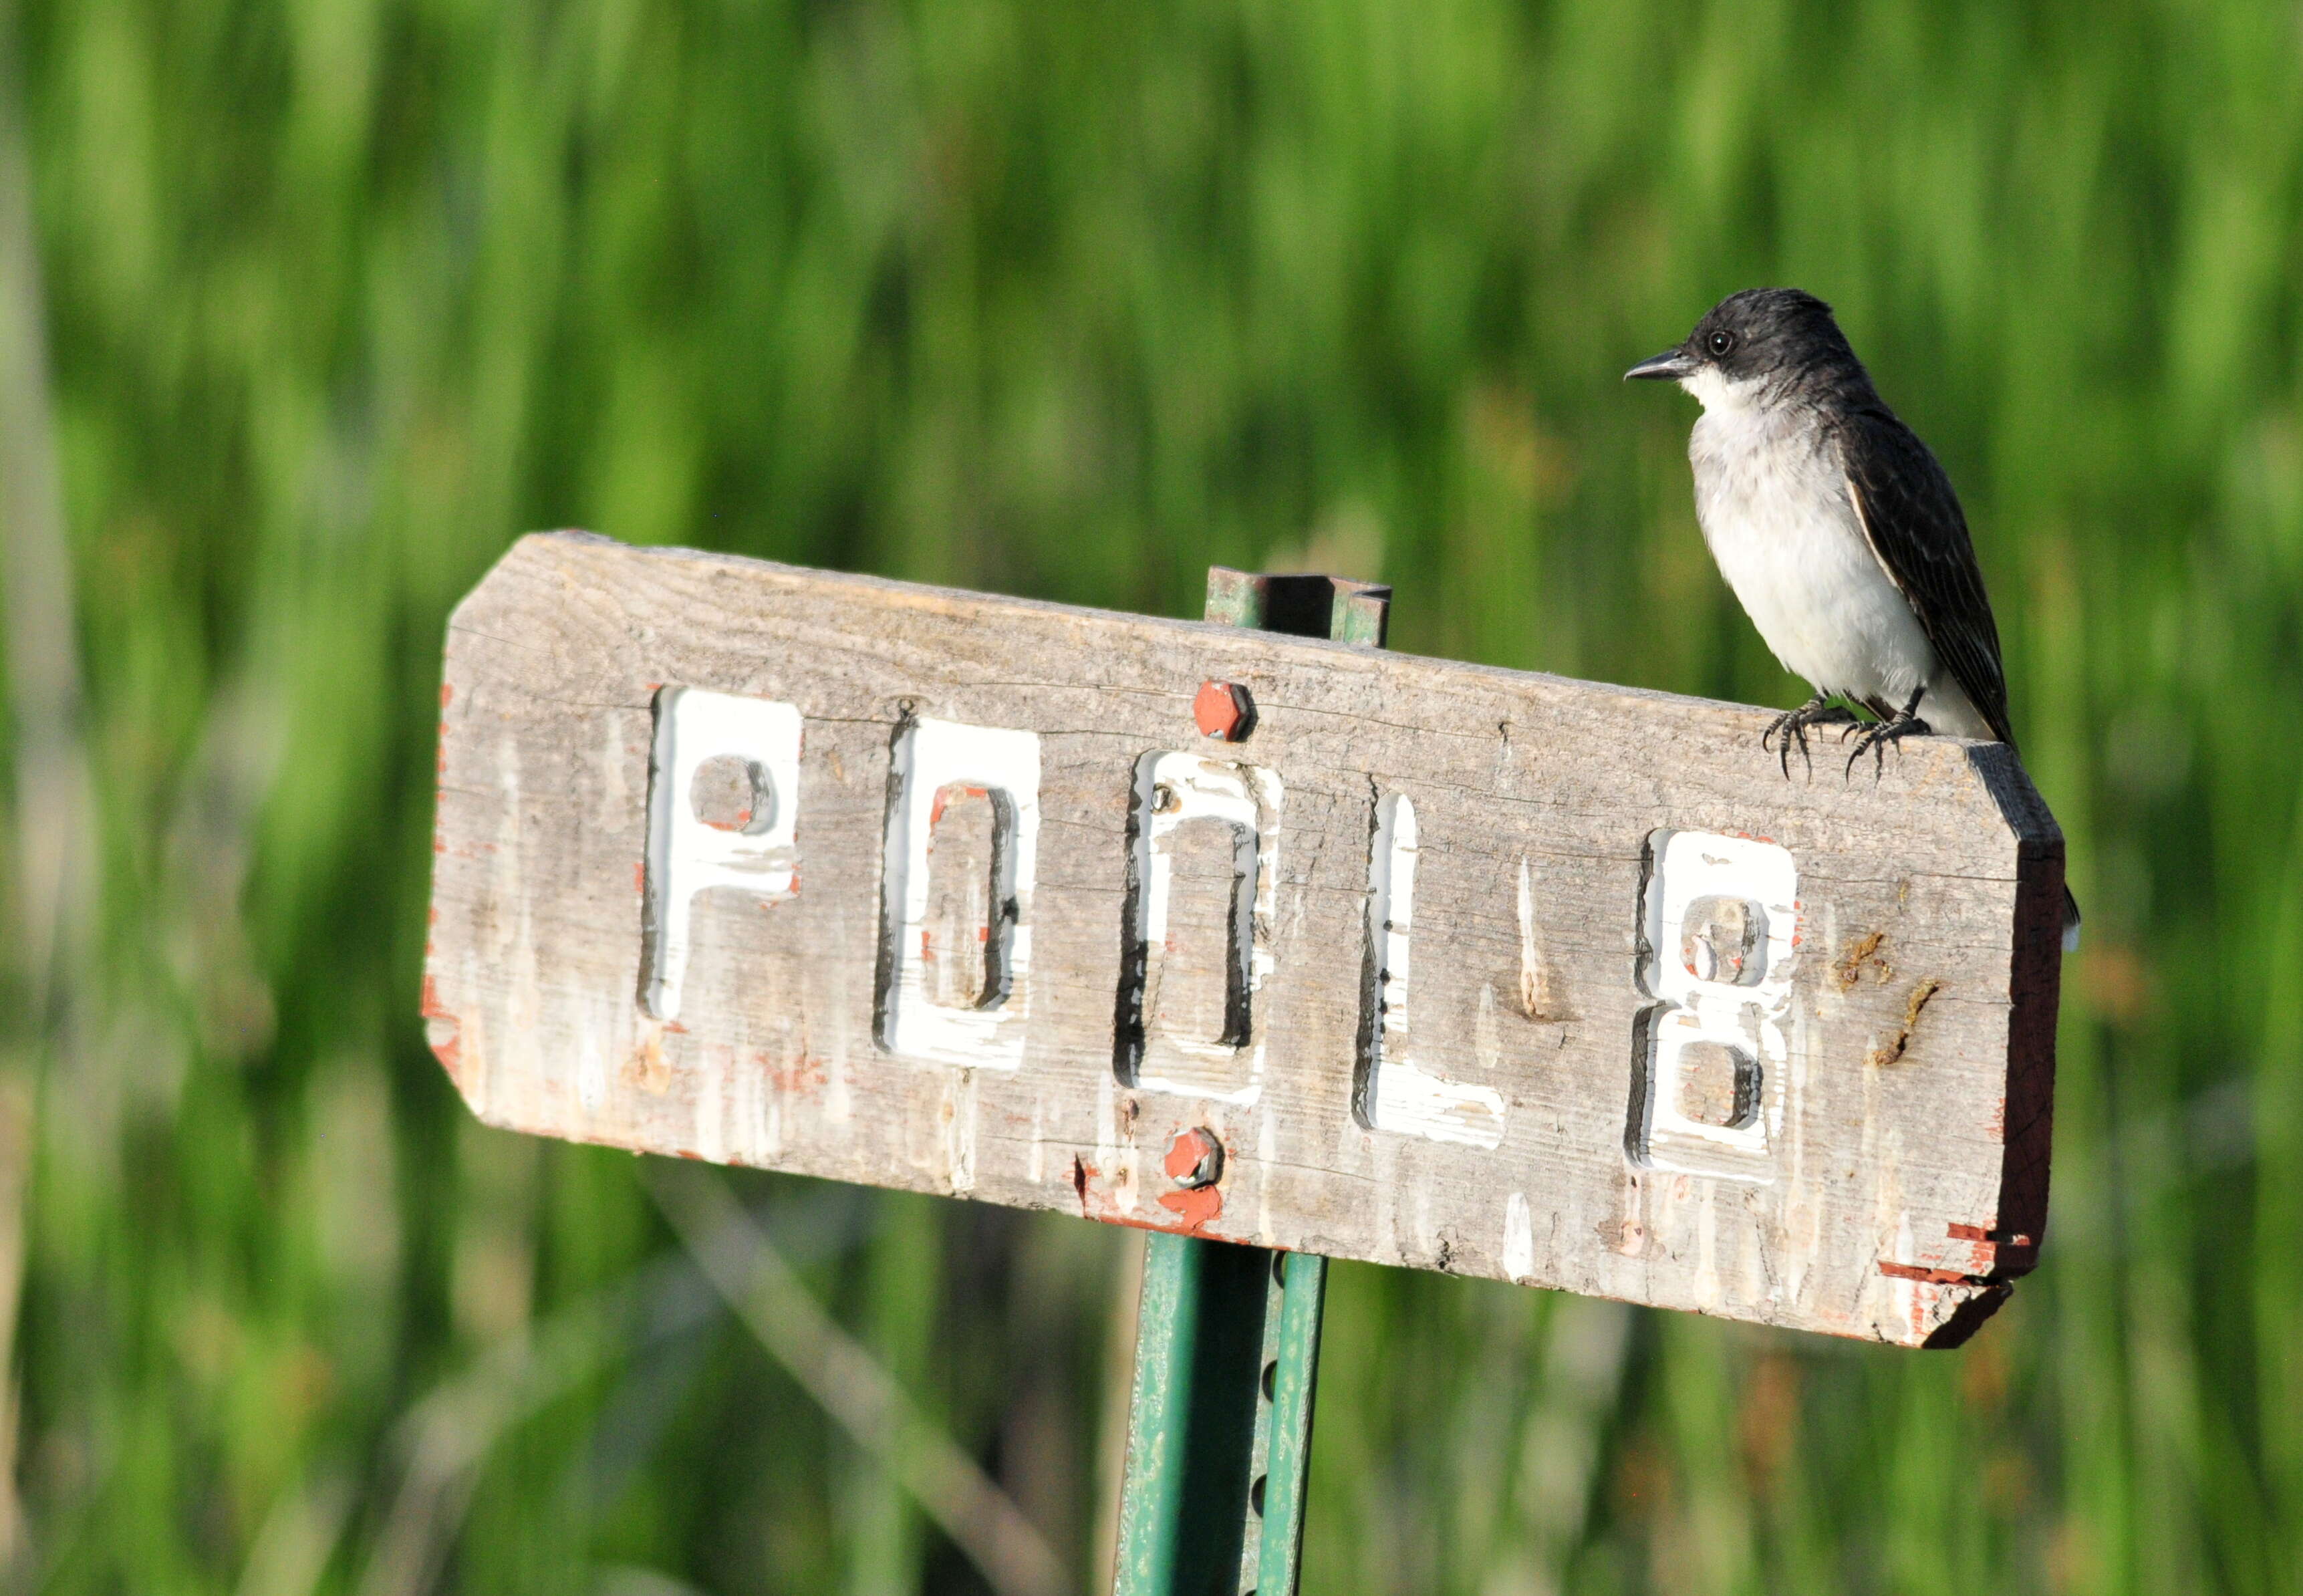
1488 1031
1530 954
1519 1237
592 1068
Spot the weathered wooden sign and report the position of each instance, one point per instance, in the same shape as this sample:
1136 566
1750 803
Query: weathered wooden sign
1248 936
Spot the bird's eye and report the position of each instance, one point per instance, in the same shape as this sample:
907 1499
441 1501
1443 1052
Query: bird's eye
1721 342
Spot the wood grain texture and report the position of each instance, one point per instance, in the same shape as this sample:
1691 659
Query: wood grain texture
1857 1142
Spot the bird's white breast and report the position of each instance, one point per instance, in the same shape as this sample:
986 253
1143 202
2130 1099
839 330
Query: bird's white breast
1773 506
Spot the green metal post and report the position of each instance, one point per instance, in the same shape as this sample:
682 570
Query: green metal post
1292 1383
1228 1338
1193 1420
1303 606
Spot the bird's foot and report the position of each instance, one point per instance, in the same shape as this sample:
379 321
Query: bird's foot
1875 738
1791 726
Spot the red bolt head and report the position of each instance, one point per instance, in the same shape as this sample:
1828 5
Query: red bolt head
1195 1158
1223 710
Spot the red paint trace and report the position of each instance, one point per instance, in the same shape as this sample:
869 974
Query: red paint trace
944 795
1194 1209
2000 1238
1933 1276
444 1031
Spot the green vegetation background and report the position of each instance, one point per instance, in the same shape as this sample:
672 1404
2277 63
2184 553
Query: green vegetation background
1071 301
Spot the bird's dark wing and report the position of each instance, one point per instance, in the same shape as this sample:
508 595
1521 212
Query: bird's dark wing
1917 529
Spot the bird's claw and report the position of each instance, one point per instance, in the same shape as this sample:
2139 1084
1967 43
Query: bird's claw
1791 726
1875 738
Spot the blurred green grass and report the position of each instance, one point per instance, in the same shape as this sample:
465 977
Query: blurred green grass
340 295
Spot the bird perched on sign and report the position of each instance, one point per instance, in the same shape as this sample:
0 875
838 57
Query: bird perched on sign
1837 530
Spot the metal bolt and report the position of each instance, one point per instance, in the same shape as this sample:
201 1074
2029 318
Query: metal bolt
1222 710
1195 1158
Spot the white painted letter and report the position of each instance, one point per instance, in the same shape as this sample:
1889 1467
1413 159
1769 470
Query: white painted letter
1720 915
723 796
955 1004
1201 882
1392 1093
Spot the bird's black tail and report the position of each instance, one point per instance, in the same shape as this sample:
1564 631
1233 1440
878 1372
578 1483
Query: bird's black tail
2070 922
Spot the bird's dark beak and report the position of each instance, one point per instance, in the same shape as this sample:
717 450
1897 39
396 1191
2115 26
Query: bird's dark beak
1671 364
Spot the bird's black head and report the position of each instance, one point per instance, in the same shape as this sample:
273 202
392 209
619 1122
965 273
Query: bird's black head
1776 341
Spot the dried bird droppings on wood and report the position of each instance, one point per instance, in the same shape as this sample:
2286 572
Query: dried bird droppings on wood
1861 953
1894 1051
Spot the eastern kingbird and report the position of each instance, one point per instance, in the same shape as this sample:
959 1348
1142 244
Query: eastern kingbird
1837 530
